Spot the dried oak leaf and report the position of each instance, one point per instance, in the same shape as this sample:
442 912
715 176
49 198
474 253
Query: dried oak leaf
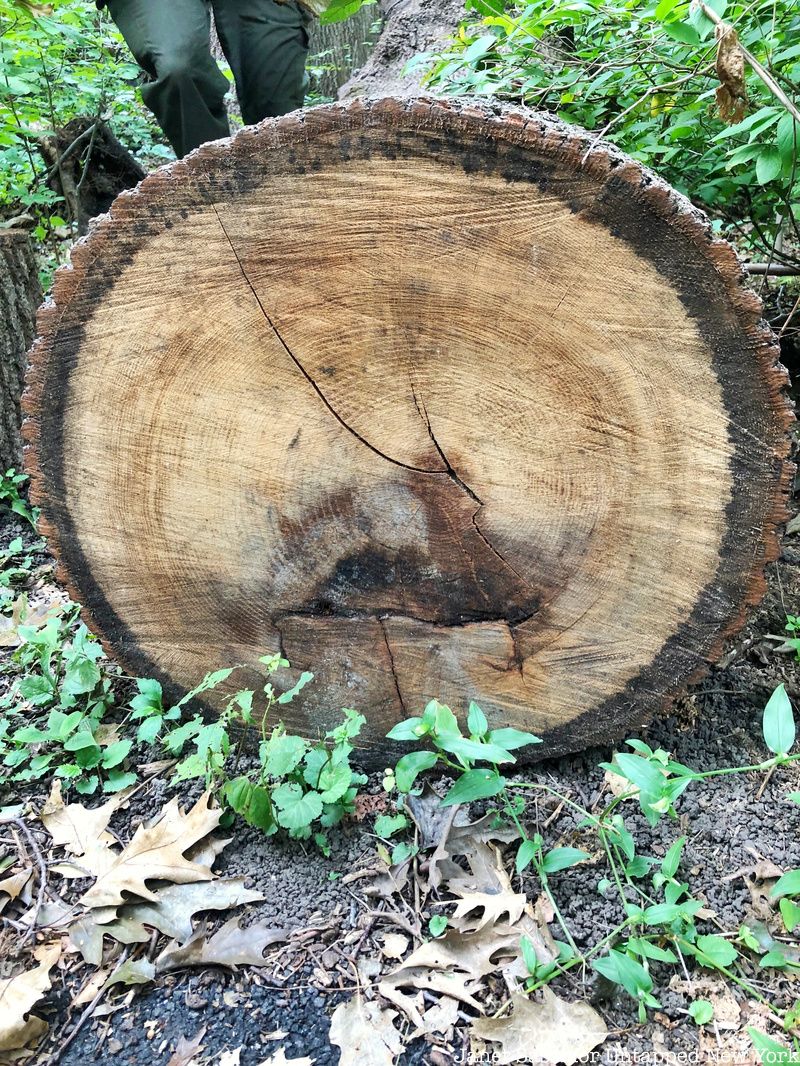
82 832
278 1058
172 910
553 1031
732 90
86 936
14 886
156 853
19 994
132 972
231 946
365 1033
186 1051
476 909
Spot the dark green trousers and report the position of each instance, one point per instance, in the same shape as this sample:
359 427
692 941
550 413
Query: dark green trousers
265 42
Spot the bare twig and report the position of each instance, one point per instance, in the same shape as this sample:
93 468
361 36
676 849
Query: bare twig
42 865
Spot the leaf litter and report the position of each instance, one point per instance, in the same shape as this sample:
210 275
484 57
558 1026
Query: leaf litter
155 884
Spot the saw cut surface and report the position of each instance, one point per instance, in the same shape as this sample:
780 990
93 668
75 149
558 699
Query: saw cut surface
425 400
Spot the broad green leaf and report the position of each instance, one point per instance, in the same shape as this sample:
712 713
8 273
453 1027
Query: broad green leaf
334 781
476 721
445 722
149 729
296 809
562 859
82 739
624 971
526 853
386 825
768 165
474 750
671 861
114 754
511 739
787 885
778 722
701 1011
682 32
118 779
716 951
474 785
410 766
410 729
640 772
298 686
790 912
81 676
769 1050
283 753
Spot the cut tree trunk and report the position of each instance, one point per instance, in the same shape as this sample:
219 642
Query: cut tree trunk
437 401
20 295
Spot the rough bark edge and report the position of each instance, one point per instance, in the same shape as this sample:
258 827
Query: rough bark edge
514 125
20 295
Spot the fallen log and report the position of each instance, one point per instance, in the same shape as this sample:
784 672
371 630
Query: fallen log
438 401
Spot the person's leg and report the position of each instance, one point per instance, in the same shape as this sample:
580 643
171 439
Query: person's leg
266 44
170 41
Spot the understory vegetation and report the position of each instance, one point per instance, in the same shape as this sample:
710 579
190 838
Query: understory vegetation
70 716
701 92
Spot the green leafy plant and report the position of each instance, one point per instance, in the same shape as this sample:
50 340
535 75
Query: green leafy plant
10 496
793 626
62 695
643 73
661 920
301 786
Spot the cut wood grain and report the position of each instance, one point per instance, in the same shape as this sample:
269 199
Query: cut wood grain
428 399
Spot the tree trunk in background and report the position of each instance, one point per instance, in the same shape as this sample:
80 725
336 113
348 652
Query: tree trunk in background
343 46
20 295
435 400
409 27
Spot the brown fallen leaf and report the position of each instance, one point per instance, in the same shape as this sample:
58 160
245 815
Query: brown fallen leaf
442 1016
476 909
230 946
731 93
172 910
450 985
13 886
81 831
553 1031
278 1058
132 972
18 996
365 1034
22 614
394 946
187 1050
156 853
463 838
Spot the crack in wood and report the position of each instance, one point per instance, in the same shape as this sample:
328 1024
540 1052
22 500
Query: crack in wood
392 666
453 475
304 372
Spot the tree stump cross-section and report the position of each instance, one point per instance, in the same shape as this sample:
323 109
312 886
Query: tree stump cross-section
437 400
